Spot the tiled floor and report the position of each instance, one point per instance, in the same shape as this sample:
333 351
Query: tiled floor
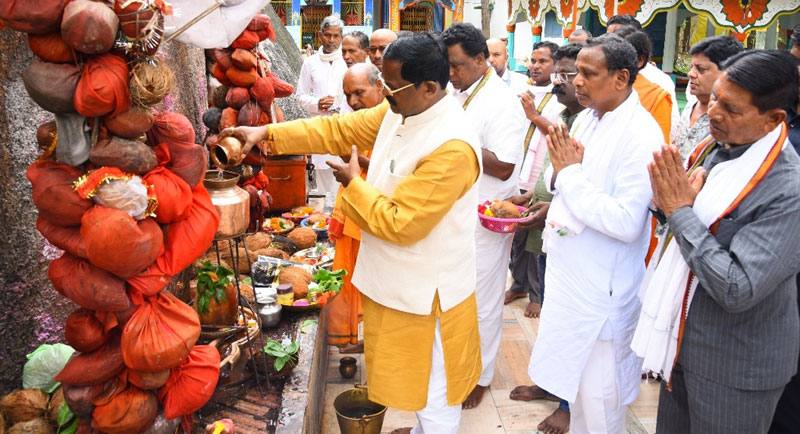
496 413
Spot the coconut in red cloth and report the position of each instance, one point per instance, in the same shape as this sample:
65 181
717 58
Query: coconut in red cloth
263 93
50 47
103 87
53 192
52 85
32 16
87 285
131 411
191 384
173 193
187 159
89 26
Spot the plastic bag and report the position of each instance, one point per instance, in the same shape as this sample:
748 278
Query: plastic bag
129 195
42 366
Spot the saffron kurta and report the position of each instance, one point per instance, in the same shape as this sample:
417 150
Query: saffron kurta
430 199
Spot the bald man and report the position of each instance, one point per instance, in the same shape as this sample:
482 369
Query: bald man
377 44
498 58
363 87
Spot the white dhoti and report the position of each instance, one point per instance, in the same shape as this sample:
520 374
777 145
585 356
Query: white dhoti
597 408
437 417
494 253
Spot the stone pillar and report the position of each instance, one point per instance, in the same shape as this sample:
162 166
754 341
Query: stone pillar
31 311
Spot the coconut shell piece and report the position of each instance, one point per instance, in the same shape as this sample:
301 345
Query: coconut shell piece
35 426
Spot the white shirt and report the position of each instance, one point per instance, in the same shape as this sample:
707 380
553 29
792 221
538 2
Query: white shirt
497 116
593 277
664 81
516 81
319 78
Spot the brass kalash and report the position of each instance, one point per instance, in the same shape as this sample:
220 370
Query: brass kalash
356 414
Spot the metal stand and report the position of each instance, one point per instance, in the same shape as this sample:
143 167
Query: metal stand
233 246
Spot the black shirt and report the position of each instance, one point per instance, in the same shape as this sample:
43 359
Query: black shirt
793 121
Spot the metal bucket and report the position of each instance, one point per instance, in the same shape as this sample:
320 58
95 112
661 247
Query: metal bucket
356 413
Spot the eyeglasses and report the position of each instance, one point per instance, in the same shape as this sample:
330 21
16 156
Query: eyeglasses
380 48
562 77
391 91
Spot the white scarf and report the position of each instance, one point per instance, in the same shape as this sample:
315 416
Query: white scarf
332 56
560 221
662 290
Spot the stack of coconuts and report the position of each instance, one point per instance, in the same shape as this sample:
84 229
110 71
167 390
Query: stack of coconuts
119 189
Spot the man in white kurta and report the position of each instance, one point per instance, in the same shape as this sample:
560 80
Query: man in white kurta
596 237
495 113
319 90
498 58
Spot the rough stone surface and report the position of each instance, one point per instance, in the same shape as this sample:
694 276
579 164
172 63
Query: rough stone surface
31 311
286 63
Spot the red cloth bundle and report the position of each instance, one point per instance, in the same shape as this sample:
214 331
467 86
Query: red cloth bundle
262 25
53 192
246 41
83 331
264 93
50 47
32 16
192 383
79 398
131 411
132 123
282 88
117 243
187 159
160 333
88 286
67 239
148 380
103 88
237 97
87 369
244 59
241 77
229 118
89 26
52 85
219 74
249 115
222 56
134 17
173 193
130 156
186 241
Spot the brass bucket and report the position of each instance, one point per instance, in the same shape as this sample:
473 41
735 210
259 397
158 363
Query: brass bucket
356 413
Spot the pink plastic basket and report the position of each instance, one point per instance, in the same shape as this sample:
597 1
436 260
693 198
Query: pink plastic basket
501 225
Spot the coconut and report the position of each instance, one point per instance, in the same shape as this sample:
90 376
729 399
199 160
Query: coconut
505 209
298 278
258 241
55 404
34 426
285 244
24 405
303 237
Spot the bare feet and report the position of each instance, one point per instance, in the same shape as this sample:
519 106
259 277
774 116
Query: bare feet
401 431
533 310
474 397
511 296
556 423
352 348
530 393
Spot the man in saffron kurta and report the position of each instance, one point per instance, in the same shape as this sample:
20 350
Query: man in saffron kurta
416 210
363 89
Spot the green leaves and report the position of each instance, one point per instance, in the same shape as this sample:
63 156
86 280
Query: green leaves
329 280
283 354
211 282
63 418
306 324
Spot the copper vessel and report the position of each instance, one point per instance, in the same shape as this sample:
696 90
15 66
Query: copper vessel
232 203
227 152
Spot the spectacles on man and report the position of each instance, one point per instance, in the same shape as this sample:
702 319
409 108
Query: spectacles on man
391 91
380 48
562 77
